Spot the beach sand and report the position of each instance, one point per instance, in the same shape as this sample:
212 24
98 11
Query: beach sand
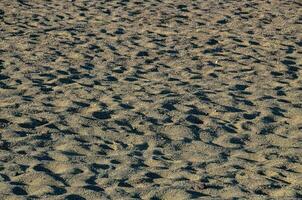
155 99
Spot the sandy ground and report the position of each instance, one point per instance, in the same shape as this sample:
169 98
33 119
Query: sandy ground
153 99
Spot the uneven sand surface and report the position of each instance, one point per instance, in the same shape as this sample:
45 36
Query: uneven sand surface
155 99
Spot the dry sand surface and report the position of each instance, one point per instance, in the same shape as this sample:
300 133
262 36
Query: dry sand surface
155 99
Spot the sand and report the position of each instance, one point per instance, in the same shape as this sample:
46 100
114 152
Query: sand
155 99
